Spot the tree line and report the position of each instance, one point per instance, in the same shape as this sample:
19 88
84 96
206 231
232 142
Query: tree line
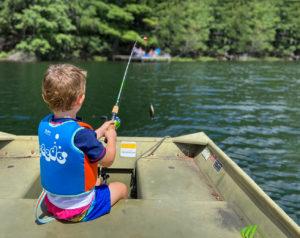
70 29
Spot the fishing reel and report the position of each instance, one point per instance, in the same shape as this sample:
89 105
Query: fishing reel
117 120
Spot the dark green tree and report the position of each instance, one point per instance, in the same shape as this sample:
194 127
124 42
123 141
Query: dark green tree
64 29
46 29
104 27
183 26
9 9
288 30
243 27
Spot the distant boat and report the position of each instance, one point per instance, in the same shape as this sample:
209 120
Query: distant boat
182 186
163 58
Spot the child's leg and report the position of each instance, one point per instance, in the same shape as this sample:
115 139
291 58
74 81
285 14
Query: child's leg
117 191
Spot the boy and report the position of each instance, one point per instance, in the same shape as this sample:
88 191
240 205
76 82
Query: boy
70 151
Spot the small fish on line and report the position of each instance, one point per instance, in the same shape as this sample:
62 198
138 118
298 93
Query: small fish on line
151 111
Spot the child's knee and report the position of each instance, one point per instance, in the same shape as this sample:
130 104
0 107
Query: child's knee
120 189
123 190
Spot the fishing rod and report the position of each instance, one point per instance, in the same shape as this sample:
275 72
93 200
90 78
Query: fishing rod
115 109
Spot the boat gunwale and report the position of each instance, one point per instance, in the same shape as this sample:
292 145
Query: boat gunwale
285 223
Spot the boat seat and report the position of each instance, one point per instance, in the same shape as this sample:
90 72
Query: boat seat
128 218
173 178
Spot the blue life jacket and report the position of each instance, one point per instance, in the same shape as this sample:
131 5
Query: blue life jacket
65 169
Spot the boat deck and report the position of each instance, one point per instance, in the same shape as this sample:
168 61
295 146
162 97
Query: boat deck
175 200
184 187
129 218
174 178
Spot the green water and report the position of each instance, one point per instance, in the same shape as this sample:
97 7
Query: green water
251 110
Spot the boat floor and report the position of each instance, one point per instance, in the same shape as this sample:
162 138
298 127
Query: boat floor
129 218
175 200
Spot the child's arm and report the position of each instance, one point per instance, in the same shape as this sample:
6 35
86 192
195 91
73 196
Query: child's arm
111 137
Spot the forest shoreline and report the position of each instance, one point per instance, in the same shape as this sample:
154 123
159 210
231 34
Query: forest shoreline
22 57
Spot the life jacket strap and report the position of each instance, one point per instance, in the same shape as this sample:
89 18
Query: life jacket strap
38 218
85 125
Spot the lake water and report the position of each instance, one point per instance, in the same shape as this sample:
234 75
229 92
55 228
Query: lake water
251 110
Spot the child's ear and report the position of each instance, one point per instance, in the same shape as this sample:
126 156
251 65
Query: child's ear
80 99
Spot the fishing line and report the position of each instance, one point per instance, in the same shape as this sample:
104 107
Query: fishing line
115 109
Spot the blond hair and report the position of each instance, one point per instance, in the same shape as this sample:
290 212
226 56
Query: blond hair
62 85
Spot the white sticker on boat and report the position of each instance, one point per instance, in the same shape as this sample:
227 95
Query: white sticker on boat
128 149
206 153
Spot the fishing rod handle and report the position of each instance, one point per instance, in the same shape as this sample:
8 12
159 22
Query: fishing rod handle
115 109
113 116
